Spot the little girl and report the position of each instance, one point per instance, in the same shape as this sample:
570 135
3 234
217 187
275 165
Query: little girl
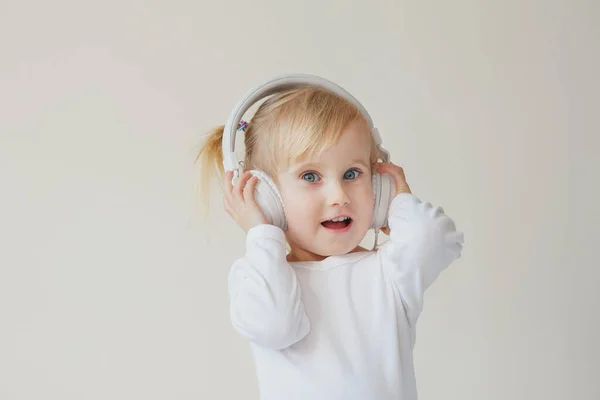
328 319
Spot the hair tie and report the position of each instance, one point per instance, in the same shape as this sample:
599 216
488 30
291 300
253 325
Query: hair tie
242 126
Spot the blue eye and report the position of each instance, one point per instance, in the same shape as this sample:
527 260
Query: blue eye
351 174
310 177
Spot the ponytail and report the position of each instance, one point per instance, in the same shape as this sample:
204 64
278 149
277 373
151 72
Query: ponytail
210 160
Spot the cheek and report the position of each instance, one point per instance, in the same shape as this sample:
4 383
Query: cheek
363 202
299 207
363 195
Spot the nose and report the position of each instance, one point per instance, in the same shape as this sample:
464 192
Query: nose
337 195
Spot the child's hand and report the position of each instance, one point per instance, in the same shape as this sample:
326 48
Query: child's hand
397 173
401 186
239 201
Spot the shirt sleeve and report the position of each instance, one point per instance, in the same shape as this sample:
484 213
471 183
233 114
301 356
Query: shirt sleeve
423 242
265 299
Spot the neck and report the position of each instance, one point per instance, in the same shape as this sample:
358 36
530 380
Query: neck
298 254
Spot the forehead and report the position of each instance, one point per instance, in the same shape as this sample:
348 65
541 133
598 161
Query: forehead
355 140
354 144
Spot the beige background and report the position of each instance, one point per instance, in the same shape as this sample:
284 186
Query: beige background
113 287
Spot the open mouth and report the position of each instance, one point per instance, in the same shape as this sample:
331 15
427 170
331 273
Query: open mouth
338 223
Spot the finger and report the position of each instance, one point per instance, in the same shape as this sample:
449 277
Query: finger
394 170
228 182
249 189
397 174
239 186
383 168
380 167
228 209
226 204
388 167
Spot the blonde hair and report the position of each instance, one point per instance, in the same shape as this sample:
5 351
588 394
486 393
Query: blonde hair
288 126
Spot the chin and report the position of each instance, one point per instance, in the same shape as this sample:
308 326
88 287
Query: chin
328 243
338 249
341 249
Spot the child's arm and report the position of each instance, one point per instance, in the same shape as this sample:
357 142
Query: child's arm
265 300
423 242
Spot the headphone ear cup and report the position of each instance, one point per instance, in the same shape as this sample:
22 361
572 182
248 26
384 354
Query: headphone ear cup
269 199
384 189
375 181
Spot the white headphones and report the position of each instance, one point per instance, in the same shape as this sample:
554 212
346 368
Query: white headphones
266 193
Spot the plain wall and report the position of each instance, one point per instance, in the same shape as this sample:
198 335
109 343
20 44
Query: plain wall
112 286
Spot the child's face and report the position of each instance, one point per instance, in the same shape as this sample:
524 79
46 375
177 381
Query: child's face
336 184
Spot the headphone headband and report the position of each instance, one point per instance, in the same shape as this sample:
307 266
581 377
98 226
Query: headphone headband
273 86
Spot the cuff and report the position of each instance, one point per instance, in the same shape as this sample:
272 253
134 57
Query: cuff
402 199
265 231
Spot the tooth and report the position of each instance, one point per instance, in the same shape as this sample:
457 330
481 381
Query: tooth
340 219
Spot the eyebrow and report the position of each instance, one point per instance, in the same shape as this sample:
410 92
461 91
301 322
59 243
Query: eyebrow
316 165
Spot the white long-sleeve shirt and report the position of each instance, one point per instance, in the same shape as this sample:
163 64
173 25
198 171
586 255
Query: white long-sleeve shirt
343 327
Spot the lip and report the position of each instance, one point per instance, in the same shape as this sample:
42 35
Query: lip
342 230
